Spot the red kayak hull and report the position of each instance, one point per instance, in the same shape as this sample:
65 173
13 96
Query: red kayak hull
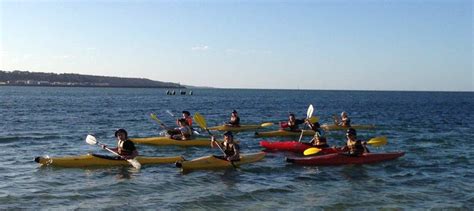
293 146
342 159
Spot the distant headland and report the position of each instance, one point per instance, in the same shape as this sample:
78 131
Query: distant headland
25 78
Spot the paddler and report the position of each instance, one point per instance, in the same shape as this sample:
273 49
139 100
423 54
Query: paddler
345 121
354 147
318 140
234 119
230 148
293 123
125 147
182 132
189 119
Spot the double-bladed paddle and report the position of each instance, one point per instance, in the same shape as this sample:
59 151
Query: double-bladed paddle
90 139
309 113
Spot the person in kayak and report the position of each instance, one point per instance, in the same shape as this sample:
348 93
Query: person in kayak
345 121
230 148
318 140
354 147
183 132
125 148
293 123
234 119
189 119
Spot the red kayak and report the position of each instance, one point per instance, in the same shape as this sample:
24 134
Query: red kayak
343 159
293 146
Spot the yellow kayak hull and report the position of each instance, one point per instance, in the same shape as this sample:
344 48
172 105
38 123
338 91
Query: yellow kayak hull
211 162
90 160
284 133
338 127
235 129
166 141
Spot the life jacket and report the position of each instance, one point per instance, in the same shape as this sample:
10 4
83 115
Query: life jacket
189 120
229 150
355 148
125 147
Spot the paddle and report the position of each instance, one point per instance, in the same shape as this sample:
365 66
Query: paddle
376 142
93 141
309 113
153 116
203 124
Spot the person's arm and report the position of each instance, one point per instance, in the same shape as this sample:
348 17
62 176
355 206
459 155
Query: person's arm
214 143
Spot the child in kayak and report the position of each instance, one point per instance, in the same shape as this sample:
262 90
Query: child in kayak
318 140
230 148
234 120
354 147
183 132
125 147
345 120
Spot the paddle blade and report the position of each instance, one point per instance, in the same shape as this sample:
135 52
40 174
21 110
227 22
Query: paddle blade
153 116
200 120
314 119
311 151
134 162
90 139
266 124
170 113
309 113
378 141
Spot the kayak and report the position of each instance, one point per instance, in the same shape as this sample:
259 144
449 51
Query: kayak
166 141
294 146
212 162
90 160
236 129
284 133
343 159
339 127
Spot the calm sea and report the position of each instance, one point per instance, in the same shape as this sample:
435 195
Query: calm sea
435 129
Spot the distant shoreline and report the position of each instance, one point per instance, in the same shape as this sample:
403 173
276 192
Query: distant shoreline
91 86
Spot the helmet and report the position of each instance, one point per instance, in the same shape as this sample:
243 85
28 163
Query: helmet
121 130
351 131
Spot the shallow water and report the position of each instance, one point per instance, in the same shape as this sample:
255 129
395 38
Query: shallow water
435 129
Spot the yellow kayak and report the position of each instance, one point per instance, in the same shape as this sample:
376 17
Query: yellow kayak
284 133
166 141
90 160
338 127
239 128
211 162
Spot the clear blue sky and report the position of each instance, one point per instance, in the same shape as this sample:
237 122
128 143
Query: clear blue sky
355 45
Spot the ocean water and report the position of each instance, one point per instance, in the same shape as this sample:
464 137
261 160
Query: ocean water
435 129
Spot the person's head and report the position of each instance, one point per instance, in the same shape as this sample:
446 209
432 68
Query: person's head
291 117
186 114
234 113
351 133
121 134
344 114
228 136
316 126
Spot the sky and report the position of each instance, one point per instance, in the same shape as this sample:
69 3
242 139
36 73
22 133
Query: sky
422 45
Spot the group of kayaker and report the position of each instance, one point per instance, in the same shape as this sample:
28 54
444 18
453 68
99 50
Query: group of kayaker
231 150
354 147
